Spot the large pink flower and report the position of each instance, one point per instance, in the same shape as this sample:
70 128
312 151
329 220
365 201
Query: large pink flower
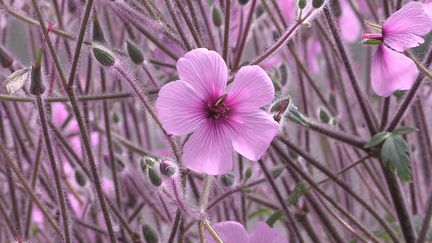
404 29
220 120
233 232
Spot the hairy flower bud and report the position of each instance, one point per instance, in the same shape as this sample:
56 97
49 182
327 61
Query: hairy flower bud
317 3
248 173
324 115
276 172
80 178
36 85
149 234
154 176
134 52
103 55
228 179
167 168
243 2
302 4
216 16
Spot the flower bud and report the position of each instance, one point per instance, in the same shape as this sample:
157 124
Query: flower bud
248 173
80 178
228 179
217 16
149 234
276 172
154 176
302 4
5 59
143 165
243 2
279 108
103 55
324 116
167 168
98 35
134 52
296 116
116 118
71 6
36 85
317 3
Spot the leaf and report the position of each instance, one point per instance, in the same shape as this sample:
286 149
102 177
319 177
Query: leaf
274 217
299 190
263 211
16 80
394 154
377 139
404 130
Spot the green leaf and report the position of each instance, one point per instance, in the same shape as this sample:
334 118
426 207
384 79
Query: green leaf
274 217
377 139
263 211
404 130
394 154
299 190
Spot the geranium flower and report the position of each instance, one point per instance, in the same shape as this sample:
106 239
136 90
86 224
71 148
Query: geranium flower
220 120
234 232
392 70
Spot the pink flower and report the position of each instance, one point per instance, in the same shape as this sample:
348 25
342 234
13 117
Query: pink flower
392 70
233 232
221 120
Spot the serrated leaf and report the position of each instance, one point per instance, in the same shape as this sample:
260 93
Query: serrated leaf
377 139
16 80
274 217
299 190
404 130
395 155
263 211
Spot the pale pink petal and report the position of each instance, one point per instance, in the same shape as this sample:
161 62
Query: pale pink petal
349 23
179 108
209 149
428 8
404 28
262 233
391 71
205 71
253 134
229 232
59 114
252 88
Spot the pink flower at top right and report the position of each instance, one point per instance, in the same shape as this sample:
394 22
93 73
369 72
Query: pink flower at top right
391 70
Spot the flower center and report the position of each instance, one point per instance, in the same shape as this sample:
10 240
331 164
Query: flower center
218 109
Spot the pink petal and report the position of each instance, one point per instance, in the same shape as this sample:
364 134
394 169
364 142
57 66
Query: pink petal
59 114
179 108
253 134
205 71
349 23
404 28
288 9
428 8
209 149
252 88
391 71
229 232
262 233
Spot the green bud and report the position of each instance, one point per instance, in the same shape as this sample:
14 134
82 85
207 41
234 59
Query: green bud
296 116
98 35
324 115
71 6
5 59
248 173
80 178
151 162
243 2
276 172
116 118
217 16
103 55
134 52
228 179
317 3
143 165
167 168
36 85
302 4
149 234
154 177
336 8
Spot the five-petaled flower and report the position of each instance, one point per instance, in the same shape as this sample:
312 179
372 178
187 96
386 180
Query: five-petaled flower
234 232
220 119
391 70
